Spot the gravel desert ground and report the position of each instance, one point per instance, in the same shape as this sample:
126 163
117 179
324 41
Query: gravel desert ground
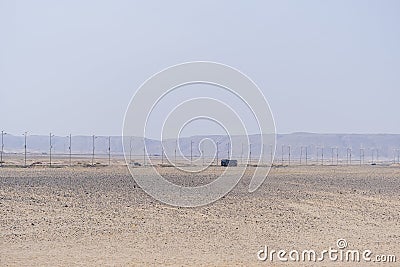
98 216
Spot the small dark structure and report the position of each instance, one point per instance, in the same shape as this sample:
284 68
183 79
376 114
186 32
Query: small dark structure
229 162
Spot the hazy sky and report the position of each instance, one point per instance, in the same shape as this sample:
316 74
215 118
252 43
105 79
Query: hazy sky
324 66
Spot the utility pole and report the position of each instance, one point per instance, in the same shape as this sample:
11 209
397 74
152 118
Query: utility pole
337 156
241 156
350 156
263 155
322 154
306 155
70 150
398 156
361 156
50 147
272 159
372 150
202 153
217 152
229 147
250 155
332 149
144 155
377 155
109 150
191 152
162 154
175 155
25 134
301 153
317 148
93 137
2 147
282 153
130 150
289 154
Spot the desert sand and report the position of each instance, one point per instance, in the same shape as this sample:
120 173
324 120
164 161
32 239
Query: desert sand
98 216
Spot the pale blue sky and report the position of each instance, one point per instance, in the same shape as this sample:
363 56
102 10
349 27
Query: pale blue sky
324 66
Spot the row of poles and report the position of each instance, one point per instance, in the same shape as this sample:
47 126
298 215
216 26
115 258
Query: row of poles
335 155
25 134
191 153
175 153
304 155
304 152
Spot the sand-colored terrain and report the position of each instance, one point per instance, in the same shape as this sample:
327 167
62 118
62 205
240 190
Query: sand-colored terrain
98 216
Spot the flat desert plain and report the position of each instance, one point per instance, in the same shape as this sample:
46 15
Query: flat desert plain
98 216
